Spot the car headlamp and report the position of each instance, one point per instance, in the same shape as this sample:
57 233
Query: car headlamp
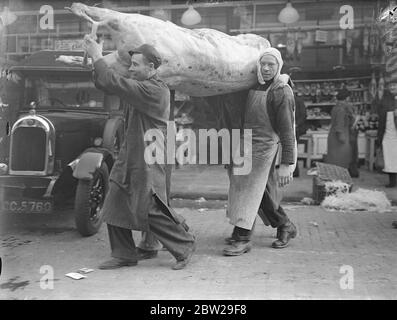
98 142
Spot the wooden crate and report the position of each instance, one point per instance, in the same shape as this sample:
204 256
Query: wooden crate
328 172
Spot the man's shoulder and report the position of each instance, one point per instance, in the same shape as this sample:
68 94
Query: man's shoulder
281 89
156 82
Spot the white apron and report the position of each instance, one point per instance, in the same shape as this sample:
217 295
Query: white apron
246 191
389 144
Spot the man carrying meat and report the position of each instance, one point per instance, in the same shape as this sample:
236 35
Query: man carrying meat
137 191
269 113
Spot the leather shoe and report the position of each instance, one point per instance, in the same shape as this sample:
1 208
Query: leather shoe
146 254
285 233
237 248
117 263
181 264
230 240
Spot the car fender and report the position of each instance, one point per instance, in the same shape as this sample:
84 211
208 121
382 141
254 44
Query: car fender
85 166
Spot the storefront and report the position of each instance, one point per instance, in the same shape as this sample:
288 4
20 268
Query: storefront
325 45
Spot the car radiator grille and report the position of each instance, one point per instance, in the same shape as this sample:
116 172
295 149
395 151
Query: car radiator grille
28 149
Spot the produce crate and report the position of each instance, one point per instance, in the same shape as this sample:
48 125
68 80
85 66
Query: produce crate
328 172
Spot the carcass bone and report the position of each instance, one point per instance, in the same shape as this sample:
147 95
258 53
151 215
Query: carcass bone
94 30
196 62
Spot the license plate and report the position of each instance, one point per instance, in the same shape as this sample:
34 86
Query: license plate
28 206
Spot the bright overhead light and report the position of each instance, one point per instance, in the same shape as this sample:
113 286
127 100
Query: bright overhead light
7 17
190 17
288 14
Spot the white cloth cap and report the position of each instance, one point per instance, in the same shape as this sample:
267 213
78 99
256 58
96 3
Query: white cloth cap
275 53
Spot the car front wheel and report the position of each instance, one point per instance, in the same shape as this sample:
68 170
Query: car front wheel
90 195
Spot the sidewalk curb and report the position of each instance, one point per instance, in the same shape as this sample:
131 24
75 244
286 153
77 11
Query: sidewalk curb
197 195
223 196
217 196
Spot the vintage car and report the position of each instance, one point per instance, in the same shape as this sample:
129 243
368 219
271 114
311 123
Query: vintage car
63 142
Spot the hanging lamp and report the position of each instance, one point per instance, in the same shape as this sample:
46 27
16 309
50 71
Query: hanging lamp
7 17
288 14
190 17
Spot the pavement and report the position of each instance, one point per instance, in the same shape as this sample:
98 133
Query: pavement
336 255
211 182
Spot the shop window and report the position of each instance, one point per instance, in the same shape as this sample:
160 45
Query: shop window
69 43
266 15
11 44
22 44
35 44
242 17
47 44
66 24
314 58
327 57
320 12
24 24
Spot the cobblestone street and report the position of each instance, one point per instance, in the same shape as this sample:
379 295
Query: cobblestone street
328 244
121 111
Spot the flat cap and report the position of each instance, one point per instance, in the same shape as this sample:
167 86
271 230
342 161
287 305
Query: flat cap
149 52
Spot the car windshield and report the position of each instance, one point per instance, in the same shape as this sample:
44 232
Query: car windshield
62 91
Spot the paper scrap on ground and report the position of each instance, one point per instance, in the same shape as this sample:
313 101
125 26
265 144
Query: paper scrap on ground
75 275
360 200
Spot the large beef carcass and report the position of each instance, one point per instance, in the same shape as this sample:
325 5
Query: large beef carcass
196 62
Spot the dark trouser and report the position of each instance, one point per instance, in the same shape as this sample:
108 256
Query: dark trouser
241 234
269 211
296 171
353 166
148 240
171 235
392 179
